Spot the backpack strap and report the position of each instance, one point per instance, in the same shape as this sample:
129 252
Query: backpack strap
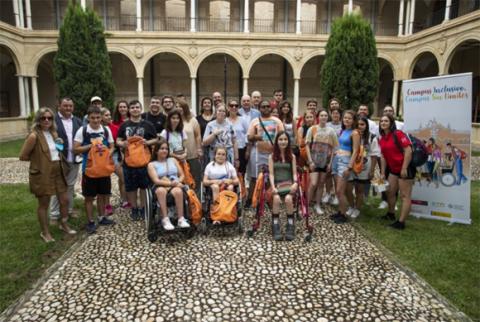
397 143
265 130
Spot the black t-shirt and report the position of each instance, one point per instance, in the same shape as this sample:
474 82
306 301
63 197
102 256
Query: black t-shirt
158 121
143 128
203 123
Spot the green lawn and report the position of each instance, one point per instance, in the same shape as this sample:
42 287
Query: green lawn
11 148
446 256
23 255
476 153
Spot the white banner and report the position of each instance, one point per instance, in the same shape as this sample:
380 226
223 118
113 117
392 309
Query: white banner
438 110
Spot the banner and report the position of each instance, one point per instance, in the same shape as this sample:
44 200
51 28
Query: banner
438 110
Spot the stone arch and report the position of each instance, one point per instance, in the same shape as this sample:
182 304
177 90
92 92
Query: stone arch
39 56
128 54
10 100
47 86
152 53
14 53
213 51
258 55
454 46
386 79
418 56
394 65
125 77
310 79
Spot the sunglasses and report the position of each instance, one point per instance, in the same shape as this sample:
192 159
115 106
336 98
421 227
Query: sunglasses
46 118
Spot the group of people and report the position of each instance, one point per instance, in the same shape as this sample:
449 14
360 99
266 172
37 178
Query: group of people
230 143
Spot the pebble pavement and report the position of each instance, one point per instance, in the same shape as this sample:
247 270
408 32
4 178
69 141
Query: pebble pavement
118 275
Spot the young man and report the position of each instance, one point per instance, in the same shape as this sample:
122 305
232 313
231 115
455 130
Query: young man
278 97
168 104
312 107
136 178
363 112
67 126
155 115
92 188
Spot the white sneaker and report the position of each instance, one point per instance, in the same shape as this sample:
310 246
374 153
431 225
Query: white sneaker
334 200
349 211
383 205
183 223
355 213
325 198
396 208
318 210
167 225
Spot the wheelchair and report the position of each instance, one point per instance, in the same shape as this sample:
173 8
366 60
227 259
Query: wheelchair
206 222
153 218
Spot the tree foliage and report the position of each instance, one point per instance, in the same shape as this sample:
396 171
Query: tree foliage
350 70
82 65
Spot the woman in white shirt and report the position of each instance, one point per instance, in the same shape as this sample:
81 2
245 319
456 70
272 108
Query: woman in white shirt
220 173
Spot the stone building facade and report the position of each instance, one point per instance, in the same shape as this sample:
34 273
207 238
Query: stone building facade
196 47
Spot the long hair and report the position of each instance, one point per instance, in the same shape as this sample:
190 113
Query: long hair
158 145
173 112
288 117
37 128
393 126
366 134
117 117
354 116
203 100
277 156
187 115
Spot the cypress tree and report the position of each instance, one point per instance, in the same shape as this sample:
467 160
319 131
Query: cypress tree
82 65
350 71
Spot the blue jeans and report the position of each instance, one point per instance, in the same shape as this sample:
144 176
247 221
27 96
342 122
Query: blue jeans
459 167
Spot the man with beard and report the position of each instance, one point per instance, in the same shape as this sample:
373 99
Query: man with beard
217 98
155 115
168 104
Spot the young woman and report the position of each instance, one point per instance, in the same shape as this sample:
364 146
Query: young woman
167 176
282 167
206 114
240 126
371 152
286 116
220 174
175 135
320 144
193 143
220 132
349 141
46 174
309 121
396 156
120 114
336 124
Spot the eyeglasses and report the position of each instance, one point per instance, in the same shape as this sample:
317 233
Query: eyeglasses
233 105
46 118
167 101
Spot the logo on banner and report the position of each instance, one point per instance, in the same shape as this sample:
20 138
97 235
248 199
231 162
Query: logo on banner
436 93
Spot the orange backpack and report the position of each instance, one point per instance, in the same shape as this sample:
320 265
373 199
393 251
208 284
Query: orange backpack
137 154
257 190
243 189
224 208
303 147
99 162
188 178
195 207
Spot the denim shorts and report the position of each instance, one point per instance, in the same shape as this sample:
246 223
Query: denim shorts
340 164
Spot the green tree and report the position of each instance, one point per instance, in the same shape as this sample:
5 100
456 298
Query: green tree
82 65
350 70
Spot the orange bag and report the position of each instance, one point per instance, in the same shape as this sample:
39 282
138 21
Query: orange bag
257 190
188 178
303 147
224 209
195 207
358 162
243 193
137 154
99 162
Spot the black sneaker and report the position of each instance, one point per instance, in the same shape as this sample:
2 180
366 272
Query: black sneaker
334 215
388 216
290 232
91 227
140 213
106 222
340 219
276 232
134 214
398 225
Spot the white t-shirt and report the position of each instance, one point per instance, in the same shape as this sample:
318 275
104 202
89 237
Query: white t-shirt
51 146
215 171
93 134
174 140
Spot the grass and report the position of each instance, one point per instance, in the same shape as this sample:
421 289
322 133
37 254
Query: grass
446 256
11 149
476 153
23 255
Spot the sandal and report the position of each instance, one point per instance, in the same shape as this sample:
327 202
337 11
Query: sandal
45 239
67 230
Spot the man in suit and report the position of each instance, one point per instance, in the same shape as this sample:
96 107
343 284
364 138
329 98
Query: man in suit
67 126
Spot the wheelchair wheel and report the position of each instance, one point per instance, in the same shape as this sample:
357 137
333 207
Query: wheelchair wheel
149 211
240 225
447 179
202 227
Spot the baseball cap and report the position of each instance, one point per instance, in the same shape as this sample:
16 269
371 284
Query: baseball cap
96 98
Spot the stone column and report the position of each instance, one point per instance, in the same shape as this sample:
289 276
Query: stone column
28 107
401 17
193 16
140 90
36 105
412 17
20 11
407 18
21 95
83 4
447 10
296 95
246 14
16 13
350 6
245 85
193 95
28 9
298 24
139 15
395 94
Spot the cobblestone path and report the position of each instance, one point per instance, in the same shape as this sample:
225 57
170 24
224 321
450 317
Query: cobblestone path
118 275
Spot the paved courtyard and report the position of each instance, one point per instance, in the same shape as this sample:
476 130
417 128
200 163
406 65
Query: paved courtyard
118 275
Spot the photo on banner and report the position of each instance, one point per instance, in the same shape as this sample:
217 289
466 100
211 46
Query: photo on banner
437 110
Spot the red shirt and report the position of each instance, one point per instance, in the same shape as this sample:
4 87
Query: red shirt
114 129
392 155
